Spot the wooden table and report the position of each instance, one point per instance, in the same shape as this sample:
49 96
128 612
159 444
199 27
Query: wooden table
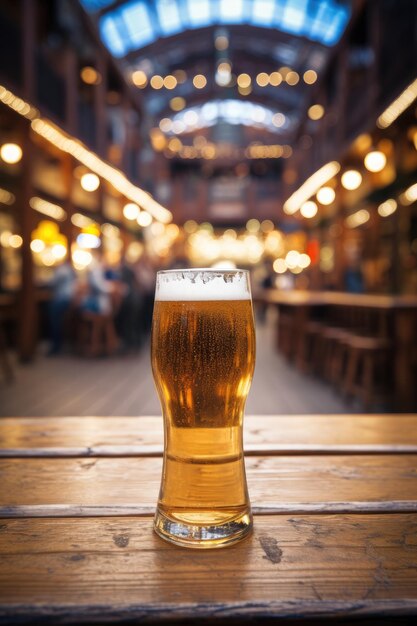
401 310
335 503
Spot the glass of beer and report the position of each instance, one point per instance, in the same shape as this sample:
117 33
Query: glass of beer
203 357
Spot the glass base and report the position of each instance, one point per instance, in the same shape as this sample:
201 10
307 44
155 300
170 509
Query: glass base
202 536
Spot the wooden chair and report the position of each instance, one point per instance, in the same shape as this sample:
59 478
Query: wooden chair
96 334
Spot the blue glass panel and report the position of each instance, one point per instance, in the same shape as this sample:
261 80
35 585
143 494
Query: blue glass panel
111 37
293 17
231 11
199 13
138 24
263 12
96 5
169 16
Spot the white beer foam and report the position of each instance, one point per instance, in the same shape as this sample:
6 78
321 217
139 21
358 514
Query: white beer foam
202 285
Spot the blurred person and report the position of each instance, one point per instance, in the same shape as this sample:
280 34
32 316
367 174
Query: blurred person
145 274
63 285
128 318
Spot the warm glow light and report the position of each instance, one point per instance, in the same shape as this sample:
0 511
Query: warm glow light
81 259
244 80
90 182
399 105
199 81
115 177
6 197
326 195
15 241
387 208
221 42
11 153
279 266
263 79
309 209
278 120
139 79
144 219
310 77
165 124
177 104
17 104
88 240
304 260
292 78
275 79
375 161
80 220
315 112
357 219
131 211
311 186
48 208
37 245
351 179
253 225
90 76
157 82
170 82
59 251
410 195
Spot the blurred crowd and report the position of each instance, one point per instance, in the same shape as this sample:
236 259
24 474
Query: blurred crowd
103 310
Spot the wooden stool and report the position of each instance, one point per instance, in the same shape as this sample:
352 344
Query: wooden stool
364 356
285 329
96 334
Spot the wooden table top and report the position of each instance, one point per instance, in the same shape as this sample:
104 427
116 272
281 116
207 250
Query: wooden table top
336 298
335 535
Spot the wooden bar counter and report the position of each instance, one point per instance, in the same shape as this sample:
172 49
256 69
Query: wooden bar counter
335 535
395 319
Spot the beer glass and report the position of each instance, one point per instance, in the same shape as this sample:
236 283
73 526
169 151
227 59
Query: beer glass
203 357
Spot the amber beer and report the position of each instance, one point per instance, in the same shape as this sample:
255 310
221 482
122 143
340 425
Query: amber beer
203 357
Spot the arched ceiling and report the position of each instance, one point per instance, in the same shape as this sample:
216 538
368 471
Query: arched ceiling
164 37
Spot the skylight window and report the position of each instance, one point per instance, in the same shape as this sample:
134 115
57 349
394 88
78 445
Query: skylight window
231 12
199 13
168 16
137 23
263 12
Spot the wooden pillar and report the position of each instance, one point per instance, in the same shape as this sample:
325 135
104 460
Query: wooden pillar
28 306
100 92
71 78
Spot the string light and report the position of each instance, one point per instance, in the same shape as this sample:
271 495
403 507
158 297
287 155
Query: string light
351 179
397 107
113 176
199 81
310 77
90 182
308 209
315 112
139 79
244 81
131 211
357 219
157 82
292 78
263 79
48 208
326 195
410 195
90 76
311 186
11 153
177 104
17 104
275 79
170 82
375 161
6 197
387 208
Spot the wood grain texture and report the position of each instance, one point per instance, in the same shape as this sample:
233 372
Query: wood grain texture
107 570
323 481
143 436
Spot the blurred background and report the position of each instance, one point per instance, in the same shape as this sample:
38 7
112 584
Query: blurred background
274 135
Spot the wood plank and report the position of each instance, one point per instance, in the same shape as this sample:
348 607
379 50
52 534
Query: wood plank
142 436
338 483
110 570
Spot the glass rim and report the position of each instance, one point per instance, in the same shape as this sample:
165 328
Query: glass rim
206 270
